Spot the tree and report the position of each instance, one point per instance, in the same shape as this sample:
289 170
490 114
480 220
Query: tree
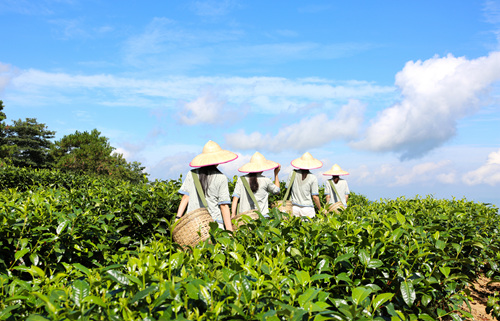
5 149
92 153
30 143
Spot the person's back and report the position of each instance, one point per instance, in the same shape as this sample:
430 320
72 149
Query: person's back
304 187
261 193
259 185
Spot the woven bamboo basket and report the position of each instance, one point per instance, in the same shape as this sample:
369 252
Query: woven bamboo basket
193 227
238 218
284 207
336 207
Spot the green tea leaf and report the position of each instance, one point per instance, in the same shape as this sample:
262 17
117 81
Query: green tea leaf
81 268
204 295
118 277
62 226
142 294
343 257
36 317
408 292
323 276
400 217
246 292
364 258
445 270
81 290
374 263
307 296
5 313
94 300
21 253
380 299
140 218
303 277
359 294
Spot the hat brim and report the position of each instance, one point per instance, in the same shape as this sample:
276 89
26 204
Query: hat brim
343 173
312 164
256 168
217 158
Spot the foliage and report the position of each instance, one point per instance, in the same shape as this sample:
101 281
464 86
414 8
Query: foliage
30 143
5 151
104 252
91 153
493 304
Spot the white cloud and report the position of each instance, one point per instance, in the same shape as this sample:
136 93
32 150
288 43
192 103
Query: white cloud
171 166
7 72
398 174
307 134
489 173
125 153
269 95
205 109
424 172
436 94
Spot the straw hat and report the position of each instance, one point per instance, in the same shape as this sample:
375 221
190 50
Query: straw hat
258 163
306 161
336 171
212 155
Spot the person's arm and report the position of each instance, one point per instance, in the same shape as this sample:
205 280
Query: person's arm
346 197
226 216
316 201
234 206
327 198
276 179
182 206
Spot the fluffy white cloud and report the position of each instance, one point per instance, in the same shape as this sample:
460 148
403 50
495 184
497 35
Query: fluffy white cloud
425 172
402 174
205 109
436 94
269 95
7 72
489 173
308 133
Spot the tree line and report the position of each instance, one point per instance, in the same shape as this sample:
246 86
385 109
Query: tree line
27 143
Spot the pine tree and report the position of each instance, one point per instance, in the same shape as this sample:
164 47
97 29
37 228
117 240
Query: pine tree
30 143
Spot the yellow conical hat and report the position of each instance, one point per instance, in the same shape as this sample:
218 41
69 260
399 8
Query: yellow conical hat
212 154
258 163
306 161
336 171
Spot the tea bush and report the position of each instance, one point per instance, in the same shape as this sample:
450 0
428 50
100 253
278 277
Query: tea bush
104 252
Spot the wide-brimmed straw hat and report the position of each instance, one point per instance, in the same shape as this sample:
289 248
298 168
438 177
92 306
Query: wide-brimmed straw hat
336 171
306 161
258 163
212 154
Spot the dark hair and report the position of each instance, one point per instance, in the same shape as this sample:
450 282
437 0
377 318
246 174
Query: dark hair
204 174
304 173
254 184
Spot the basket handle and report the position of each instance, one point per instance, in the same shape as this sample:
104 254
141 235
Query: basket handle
249 191
197 184
289 187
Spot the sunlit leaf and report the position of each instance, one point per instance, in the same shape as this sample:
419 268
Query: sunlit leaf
408 292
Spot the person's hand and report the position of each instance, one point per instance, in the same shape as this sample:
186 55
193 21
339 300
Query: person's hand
277 170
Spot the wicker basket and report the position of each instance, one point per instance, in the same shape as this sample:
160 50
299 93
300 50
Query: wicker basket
193 227
336 207
238 218
284 207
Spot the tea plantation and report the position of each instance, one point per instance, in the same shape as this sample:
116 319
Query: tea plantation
77 247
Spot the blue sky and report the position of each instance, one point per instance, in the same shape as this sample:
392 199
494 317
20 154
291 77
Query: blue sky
403 95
